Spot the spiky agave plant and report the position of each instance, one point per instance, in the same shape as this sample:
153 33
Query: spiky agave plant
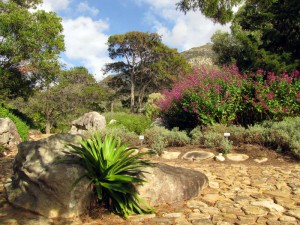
113 170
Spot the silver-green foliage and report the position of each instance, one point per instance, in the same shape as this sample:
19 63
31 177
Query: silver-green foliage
237 133
159 137
283 136
213 139
125 135
113 170
196 136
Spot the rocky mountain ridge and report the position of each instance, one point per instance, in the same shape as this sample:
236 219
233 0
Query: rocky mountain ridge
200 56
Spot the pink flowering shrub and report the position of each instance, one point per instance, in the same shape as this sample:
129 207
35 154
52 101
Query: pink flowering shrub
209 96
270 97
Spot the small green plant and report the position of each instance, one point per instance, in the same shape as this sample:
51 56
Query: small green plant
152 110
226 146
113 170
1 150
159 145
155 137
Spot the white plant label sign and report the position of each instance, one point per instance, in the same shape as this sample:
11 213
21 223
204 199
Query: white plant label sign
226 134
141 137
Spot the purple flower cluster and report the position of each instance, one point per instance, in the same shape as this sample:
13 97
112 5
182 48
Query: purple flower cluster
210 95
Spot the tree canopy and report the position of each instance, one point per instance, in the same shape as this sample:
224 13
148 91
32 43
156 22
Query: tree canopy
264 35
218 10
144 61
30 41
73 93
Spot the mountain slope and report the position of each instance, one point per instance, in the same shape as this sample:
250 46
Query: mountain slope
200 56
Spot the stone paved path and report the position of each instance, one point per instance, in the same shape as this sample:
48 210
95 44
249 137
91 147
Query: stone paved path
237 194
240 194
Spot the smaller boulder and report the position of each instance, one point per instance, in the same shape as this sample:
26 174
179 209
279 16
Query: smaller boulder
168 184
220 158
88 123
9 136
112 122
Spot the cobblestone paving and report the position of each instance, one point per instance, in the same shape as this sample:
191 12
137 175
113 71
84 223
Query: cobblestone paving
237 194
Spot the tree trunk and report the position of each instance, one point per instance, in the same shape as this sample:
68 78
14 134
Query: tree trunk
48 122
112 107
141 97
48 126
142 94
132 93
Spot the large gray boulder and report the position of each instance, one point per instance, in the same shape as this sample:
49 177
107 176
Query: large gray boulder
43 179
9 136
88 123
167 184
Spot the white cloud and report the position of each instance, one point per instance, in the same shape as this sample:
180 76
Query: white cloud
83 7
85 41
54 5
177 29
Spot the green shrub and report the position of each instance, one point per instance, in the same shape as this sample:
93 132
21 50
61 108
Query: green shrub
133 122
125 135
237 133
159 145
159 137
226 146
214 139
207 96
295 146
113 170
283 136
152 110
176 138
22 127
196 136
255 135
155 137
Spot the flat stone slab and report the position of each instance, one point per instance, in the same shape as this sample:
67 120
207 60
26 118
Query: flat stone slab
237 157
170 155
269 204
262 160
198 155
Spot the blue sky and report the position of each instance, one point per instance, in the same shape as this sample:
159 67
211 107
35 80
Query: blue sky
88 24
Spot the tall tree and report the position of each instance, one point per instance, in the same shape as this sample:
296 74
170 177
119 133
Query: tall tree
264 34
218 10
30 41
143 60
73 93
